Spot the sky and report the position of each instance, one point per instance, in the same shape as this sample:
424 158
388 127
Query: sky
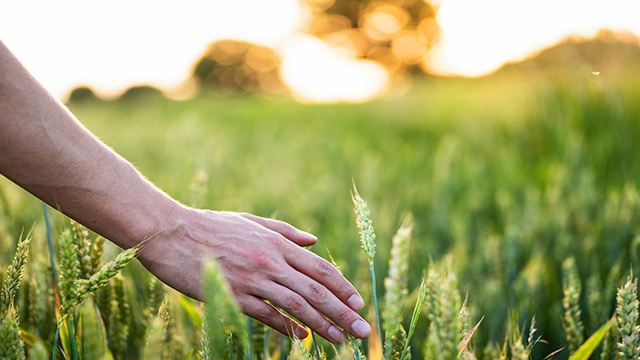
113 45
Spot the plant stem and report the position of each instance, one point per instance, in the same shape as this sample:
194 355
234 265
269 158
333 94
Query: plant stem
375 300
315 345
74 347
50 240
55 341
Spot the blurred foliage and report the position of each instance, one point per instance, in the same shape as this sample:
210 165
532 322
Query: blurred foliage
394 33
231 66
509 175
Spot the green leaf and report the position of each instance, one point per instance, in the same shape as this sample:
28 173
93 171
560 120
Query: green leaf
465 341
190 354
414 319
193 314
585 350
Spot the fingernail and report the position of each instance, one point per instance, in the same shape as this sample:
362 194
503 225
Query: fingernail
309 235
361 329
355 302
301 333
337 335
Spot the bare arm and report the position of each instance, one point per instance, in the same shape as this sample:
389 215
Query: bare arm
46 150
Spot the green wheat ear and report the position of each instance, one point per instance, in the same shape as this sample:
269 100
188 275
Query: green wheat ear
627 314
170 346
11 346
396 283
368 240
84 288
571 320
444 313
224 317
610 344
83 245
363 221
13 278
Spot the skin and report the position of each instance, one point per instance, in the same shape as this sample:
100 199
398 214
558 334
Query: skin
48 152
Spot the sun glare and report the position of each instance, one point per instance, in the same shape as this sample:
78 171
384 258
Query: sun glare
316 72
111 46
478 37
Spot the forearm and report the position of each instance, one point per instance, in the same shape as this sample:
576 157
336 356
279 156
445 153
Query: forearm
45 150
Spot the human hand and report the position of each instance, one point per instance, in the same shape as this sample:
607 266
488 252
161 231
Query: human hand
262 259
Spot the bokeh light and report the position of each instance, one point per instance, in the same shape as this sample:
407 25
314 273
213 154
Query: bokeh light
111 47
316 72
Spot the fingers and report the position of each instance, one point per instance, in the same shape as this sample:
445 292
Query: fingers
326 274
301 238
322 300
267 314
296 305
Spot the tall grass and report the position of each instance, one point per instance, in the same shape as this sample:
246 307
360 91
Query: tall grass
530 171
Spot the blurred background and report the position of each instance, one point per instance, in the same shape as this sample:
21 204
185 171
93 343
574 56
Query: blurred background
509 129
316 50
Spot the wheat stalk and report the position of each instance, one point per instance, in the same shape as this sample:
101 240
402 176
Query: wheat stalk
444 329
120 322
11 346
84 288
627 314
83 246
396 283
206 351
96 253
571 320
368 240
13 278
170 347
610 345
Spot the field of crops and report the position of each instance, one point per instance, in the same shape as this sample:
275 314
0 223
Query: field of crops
522 188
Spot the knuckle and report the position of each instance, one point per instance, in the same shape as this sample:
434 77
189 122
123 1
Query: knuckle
275 239
317 292
265 311
344 316
324 268
294 303
261 259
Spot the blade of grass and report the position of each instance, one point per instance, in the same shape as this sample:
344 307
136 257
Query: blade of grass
51 259
465 341
589 346
191 311
414 319
315 345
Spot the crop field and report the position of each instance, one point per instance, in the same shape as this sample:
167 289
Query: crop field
516 196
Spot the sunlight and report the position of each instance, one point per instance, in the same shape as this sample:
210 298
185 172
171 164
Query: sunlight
478 37
111 47
316 72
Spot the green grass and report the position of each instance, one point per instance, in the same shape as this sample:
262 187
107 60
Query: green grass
510 174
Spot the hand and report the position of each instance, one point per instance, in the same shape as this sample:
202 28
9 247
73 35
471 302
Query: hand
261 259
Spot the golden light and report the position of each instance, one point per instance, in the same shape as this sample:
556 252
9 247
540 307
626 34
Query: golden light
385 56
384 22
428 30
479 36
408 47
319 4
261 59
316 72
327 24
157 41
